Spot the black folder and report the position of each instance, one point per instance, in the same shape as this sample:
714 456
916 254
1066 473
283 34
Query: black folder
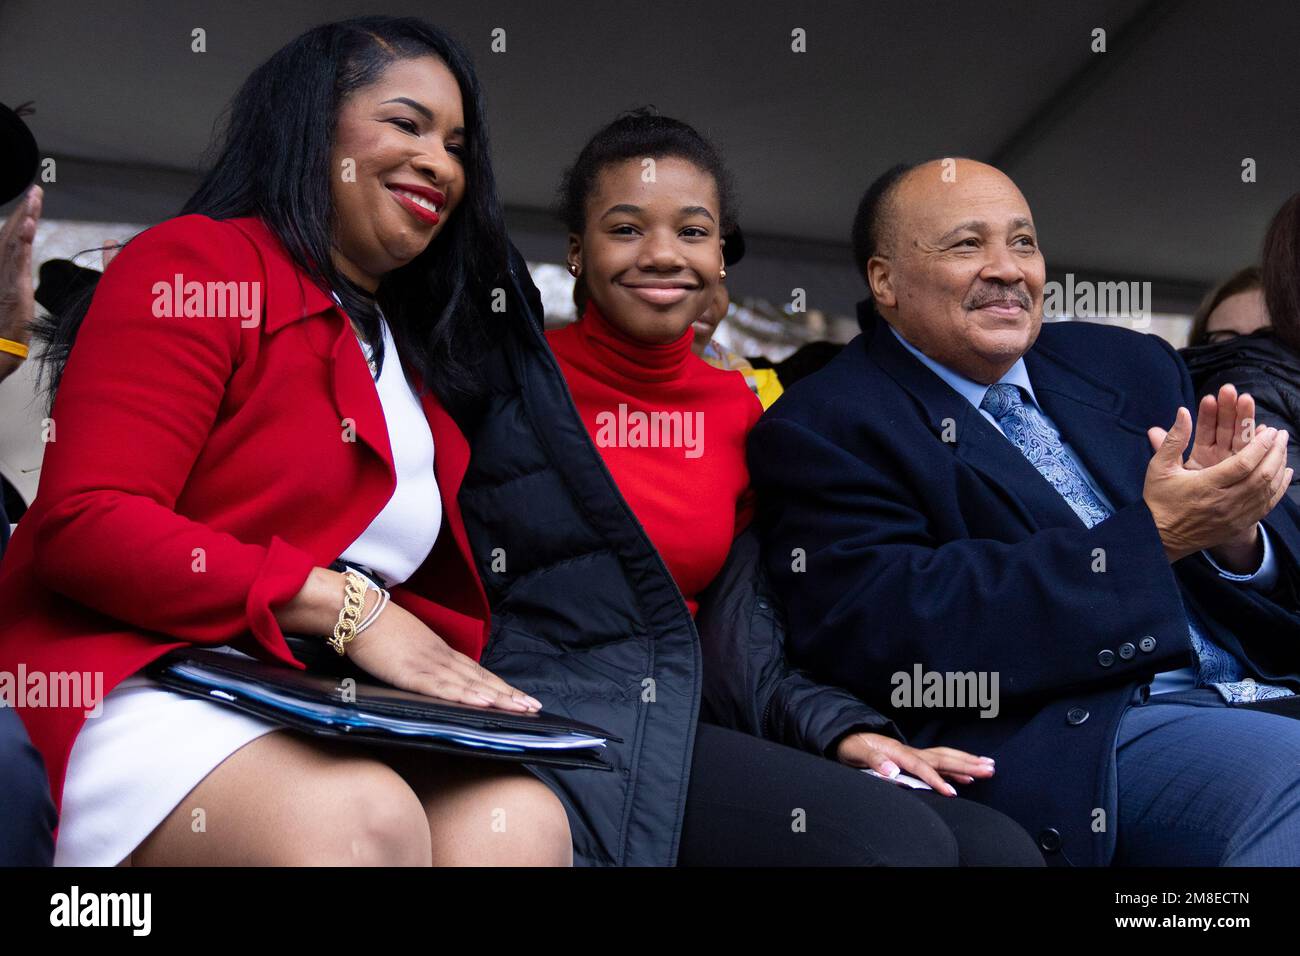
334 698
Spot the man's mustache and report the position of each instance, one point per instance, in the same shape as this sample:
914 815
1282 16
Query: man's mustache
988 296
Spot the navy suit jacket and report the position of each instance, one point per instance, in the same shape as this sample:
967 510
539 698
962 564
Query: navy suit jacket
902 529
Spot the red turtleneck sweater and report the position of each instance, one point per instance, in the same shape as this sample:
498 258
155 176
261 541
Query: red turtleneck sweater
672 431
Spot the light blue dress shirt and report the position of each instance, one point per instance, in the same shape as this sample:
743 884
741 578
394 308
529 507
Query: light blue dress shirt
1264 577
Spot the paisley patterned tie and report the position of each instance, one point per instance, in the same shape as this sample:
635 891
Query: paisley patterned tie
1038 441
1025 426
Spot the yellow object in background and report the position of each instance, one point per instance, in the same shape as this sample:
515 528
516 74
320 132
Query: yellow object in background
763 382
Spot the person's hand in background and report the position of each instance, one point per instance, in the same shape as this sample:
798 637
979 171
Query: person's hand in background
108 252
17 305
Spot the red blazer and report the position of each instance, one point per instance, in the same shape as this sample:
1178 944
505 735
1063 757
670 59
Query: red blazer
196 470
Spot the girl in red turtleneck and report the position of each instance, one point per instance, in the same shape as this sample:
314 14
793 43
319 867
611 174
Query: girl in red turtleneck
670 427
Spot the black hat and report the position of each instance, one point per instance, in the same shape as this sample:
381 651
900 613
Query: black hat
734 250
62 284
18 156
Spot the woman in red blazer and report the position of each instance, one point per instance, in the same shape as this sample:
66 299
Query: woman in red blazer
218 440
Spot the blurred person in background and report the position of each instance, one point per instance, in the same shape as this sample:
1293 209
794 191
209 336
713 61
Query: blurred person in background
18 164
1233 308
27 817
763 382
16 302
1247 333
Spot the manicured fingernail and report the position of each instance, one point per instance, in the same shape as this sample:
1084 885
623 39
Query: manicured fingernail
988 759
531 702
890 768
947 788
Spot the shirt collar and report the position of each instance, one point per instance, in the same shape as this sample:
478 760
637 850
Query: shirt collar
972 391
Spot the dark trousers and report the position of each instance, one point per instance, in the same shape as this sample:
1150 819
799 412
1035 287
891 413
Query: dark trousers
1205 783
752 802
27 817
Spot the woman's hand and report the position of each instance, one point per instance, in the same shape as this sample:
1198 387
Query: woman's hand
401 650
888 756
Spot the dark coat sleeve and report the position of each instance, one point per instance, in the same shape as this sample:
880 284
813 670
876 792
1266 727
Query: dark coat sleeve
749 685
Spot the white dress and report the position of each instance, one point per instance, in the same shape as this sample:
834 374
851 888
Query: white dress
134 763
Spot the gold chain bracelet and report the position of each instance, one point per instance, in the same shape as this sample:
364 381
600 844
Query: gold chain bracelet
354 596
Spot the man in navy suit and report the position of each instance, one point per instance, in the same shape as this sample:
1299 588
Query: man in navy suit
967 501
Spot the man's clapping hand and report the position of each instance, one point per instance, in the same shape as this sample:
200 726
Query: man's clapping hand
1224 426
1215 499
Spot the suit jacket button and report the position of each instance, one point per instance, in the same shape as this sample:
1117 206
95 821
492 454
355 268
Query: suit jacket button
1049 840
762 604
1106 658
1076 716
1127 651
1147 644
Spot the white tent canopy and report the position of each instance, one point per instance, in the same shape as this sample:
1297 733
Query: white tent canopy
1132 158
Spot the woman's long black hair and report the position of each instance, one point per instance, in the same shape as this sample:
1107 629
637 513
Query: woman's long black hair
1281 273
273 161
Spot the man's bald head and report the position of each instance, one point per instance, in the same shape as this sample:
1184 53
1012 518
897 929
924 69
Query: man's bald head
875 226
953 264
942 183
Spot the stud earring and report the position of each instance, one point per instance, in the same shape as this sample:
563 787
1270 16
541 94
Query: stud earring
722 273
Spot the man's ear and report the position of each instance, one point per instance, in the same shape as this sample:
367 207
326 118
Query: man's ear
880 277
